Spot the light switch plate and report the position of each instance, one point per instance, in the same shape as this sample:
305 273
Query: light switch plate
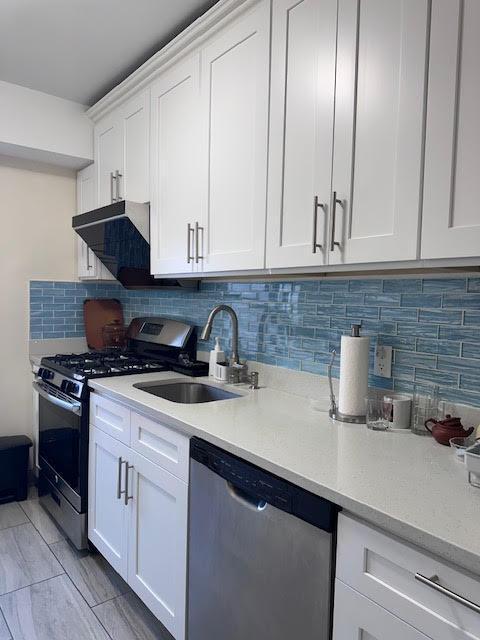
383 361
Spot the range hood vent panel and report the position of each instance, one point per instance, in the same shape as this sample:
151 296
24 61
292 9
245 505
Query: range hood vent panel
119 235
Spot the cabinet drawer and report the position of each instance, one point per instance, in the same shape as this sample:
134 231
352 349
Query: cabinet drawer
160 444
110 417
357 617
384 569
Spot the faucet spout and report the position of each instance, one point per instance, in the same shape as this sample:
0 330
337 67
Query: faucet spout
207 329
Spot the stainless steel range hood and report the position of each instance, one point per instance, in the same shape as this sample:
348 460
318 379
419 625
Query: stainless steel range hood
119 235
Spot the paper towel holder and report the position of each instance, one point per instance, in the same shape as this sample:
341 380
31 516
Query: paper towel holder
334 413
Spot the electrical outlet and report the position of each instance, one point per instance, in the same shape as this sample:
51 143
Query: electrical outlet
383 361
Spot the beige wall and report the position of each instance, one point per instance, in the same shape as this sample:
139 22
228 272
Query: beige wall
36 242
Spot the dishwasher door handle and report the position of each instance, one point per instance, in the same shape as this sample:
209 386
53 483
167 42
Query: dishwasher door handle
245 498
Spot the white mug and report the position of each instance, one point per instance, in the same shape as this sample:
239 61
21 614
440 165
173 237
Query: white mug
401 412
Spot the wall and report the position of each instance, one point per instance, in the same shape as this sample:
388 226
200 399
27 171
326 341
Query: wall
433 324
36 242
42 127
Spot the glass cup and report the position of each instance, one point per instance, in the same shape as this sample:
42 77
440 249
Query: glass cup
378 410
425 406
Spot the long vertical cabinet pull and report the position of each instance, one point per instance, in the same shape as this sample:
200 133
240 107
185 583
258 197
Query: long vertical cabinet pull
119 478
118 175
316 206
190 231
127 497
112 178
198 257
336 201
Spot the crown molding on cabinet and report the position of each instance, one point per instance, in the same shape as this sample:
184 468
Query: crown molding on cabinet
190 38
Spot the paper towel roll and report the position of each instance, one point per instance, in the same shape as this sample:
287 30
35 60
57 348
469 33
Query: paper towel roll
353 390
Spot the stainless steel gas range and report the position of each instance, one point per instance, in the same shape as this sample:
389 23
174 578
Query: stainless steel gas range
157 344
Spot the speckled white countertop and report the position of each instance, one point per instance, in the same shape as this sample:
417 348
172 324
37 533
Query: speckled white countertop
406 484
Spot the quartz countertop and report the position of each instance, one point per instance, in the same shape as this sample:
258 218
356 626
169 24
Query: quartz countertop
406 484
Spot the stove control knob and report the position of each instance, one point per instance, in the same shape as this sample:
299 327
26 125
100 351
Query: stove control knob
72 387
47 375
40 372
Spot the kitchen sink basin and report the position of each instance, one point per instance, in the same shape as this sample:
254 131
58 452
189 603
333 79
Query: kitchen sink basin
186 392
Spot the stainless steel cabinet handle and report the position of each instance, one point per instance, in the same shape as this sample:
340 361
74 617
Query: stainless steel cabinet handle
59 400
336 201
112 178
316 206
433 583
127 497
119 478
89 266
190 230
118 175
198 228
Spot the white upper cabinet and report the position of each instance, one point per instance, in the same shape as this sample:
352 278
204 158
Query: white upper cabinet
235 88
89 266
451 212
176 214
301 131
379 115
122 152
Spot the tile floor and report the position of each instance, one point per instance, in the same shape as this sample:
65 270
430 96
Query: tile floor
51 591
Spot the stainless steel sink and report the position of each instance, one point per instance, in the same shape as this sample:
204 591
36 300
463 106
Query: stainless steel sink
186 392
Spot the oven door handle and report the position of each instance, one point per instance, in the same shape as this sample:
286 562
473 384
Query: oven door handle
73 407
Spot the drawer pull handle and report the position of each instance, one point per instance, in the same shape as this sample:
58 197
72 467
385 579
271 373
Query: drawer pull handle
434 584
127 497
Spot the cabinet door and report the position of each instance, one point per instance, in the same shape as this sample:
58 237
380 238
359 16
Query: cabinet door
107 514
358 618
135 128
379 115
86 201
235 81
301 131
157 565
108 157
176 197
451 214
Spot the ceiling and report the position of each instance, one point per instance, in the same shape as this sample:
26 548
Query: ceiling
80 49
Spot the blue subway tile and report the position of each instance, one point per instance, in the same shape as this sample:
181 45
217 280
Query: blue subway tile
362 312
334 285
402 285
402 372
346 297
436 377
444 284
399 314
473 284
421 300
440 316
420 330
471 318
405 343
461 301
470 382
450 363
382 299
442 347
368 286
414 359
471 350
460 333
460 396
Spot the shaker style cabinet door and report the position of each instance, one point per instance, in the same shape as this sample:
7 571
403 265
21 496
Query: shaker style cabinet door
379 115
133 183
301 131
157 565
175 209
108 157
107 513
235 88
451 211
355 617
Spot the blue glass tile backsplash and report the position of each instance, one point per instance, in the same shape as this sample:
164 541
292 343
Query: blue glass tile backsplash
433 324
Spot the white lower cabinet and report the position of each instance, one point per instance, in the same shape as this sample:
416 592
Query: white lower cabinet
358 618
157 548
107 515
137 518
424 592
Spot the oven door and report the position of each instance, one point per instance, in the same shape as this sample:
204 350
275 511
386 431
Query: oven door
63 442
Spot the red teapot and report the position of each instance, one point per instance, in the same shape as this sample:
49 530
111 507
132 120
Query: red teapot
443 430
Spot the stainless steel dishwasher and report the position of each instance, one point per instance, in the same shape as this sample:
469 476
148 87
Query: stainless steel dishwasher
260 553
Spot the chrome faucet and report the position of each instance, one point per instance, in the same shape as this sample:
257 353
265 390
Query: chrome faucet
207 329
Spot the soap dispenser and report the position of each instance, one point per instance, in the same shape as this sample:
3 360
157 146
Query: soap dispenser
216 355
